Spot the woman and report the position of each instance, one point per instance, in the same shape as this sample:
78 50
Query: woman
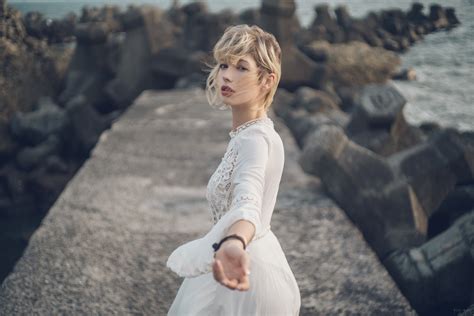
239 268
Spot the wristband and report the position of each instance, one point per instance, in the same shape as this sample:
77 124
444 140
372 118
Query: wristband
216 246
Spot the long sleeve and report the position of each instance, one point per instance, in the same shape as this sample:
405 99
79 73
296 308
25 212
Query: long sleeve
245 203
249 180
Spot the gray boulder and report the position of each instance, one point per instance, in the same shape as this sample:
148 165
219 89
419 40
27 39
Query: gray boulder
3 7
314 101
34 127
151 32
92 32
87 72
177 62
367 188
301 123
437 276
326 25
377 107
438 16
30 157
85 128
451 16
457 203
432 169
298 69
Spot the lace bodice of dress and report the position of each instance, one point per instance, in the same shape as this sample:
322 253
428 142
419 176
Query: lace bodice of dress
219 188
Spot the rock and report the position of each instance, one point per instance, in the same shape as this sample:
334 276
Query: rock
326 25
86 127
30 157
56 31
394 21
343 17
457 203
92 32
282 102
405 74
437 276
195 8
425 164
438 16
13 186
377 140
357 64
451 16
193 80
250 16
177 62
55 164
349 96
46 187
404 135
34 127
391 42
134 73
109 14
62 30
314 100
297 68
415 14
366 186
35 24
202 31
301 123
88 70
3 7
323 143
318 51
377 107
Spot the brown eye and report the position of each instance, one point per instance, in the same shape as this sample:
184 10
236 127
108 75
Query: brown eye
222 66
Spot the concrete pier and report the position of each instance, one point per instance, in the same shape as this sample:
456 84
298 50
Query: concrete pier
102 248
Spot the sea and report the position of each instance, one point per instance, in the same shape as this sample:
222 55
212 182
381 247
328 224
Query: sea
444 61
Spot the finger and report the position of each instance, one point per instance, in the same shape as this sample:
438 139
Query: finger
218 272
232 284
244 284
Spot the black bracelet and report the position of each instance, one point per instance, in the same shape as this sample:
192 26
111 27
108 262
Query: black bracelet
216 246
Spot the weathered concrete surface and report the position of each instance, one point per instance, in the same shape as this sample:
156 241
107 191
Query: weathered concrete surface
102 248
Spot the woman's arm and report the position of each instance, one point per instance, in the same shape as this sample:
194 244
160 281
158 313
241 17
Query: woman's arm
232 263
244 229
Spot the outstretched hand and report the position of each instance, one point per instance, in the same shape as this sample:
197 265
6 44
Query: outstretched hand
231 266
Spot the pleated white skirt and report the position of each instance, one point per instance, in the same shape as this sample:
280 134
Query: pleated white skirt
273 288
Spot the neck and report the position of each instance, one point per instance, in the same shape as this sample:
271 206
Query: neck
240 117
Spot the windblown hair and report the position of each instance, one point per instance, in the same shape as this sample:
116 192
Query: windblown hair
238 41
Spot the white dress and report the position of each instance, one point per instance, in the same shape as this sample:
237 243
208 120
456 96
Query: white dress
244 186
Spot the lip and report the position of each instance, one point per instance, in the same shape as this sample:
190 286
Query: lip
226 89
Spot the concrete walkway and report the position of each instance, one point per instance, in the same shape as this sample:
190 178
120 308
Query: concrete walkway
102 248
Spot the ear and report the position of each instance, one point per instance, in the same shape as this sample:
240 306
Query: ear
269 81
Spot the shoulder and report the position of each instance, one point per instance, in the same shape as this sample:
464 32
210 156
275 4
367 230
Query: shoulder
256 137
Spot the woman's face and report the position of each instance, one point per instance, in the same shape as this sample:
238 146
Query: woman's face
238 84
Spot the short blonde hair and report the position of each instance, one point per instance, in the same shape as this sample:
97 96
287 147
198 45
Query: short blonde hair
238 41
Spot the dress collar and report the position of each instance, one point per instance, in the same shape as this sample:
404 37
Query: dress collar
241 127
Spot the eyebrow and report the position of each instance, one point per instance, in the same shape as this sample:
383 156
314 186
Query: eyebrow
243 61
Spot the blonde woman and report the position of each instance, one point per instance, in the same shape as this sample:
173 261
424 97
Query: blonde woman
239 268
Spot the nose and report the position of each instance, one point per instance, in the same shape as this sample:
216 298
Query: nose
226 77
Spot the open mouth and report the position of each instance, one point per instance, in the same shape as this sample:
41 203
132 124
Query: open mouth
226 89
